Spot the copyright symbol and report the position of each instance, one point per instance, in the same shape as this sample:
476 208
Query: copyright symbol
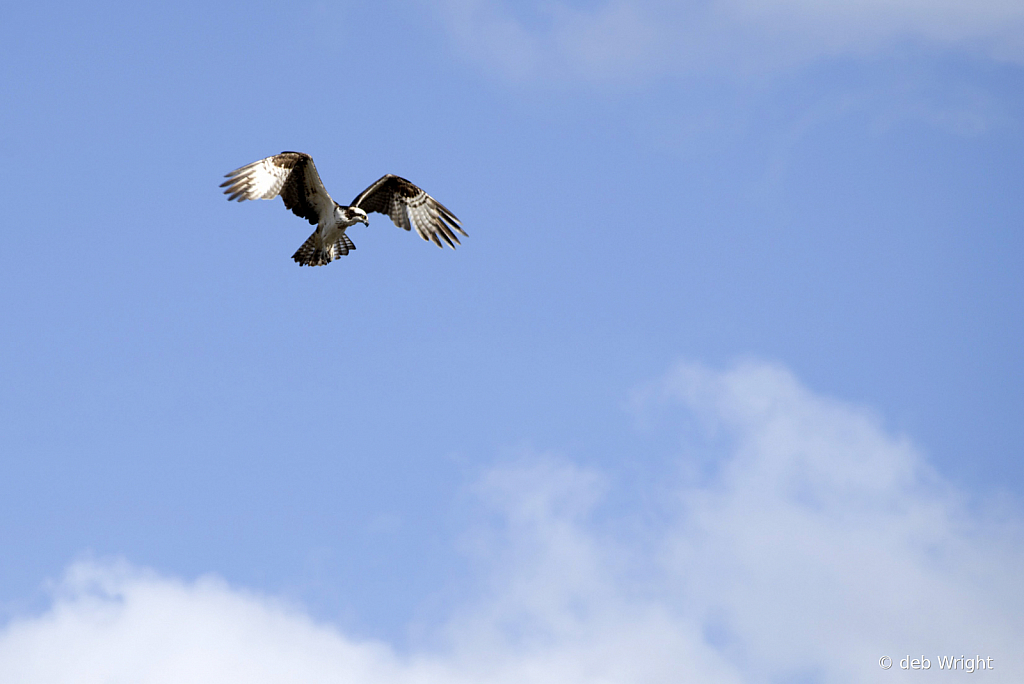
885 662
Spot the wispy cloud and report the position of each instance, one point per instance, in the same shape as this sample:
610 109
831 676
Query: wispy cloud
812 544
619 40
824 541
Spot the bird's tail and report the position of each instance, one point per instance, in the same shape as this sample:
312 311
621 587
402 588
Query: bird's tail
314 253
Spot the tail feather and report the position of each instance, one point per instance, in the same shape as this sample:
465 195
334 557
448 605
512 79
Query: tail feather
313 253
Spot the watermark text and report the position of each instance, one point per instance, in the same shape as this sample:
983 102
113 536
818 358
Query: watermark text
962 663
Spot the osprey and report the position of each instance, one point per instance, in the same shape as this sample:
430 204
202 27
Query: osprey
293 176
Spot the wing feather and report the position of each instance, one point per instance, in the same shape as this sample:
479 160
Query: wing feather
410 207
292 175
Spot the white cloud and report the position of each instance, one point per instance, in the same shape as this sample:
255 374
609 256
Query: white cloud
113 623
813 544
823 540
619 40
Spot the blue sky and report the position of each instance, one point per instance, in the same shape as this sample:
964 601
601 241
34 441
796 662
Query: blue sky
725 384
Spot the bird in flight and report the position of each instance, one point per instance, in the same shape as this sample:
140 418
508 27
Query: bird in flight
293 176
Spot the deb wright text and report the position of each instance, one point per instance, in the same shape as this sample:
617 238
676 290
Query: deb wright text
962 663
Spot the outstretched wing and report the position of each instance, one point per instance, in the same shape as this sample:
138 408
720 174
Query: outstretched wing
409 207
289 174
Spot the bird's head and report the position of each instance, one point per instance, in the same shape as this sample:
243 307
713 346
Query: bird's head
356 215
